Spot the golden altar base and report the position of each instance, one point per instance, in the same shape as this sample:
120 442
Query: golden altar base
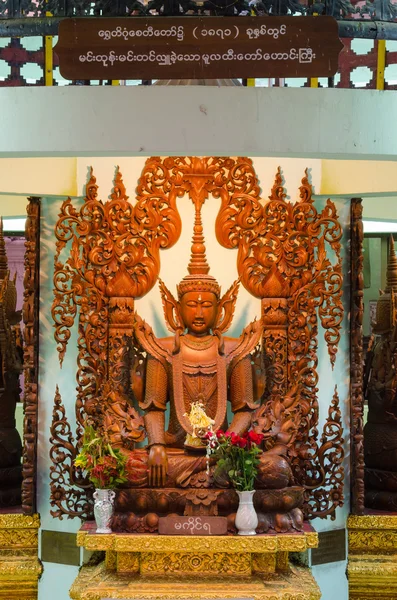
372 563
158 567
20 567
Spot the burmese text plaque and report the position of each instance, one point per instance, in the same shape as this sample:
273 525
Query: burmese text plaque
175 525
198 47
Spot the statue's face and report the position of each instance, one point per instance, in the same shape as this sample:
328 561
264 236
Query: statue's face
199 311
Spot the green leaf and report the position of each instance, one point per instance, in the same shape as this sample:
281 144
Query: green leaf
94 441
111 451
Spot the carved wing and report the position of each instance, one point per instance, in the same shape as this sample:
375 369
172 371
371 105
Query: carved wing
171 309
227 305
248 340
145 336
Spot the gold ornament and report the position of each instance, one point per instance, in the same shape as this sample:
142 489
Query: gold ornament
160 567
372 564
95 583
119 542
20 567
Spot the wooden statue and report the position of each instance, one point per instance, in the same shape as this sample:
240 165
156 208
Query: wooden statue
11 368
380 432
197 364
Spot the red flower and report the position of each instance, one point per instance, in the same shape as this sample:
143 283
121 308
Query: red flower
235 439
109 462
220 433
255 438
98 471
227 434
242 442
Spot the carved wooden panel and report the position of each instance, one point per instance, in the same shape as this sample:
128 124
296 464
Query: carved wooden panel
356 357
30 314
71 493
114 257
288 257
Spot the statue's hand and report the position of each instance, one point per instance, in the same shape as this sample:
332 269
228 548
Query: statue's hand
157 465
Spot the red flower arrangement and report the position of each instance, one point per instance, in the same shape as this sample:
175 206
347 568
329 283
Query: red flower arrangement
237 456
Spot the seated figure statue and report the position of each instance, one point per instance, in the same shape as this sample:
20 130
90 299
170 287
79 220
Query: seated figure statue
380 432
198 365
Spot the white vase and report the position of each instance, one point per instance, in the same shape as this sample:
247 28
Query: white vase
103 509
246 517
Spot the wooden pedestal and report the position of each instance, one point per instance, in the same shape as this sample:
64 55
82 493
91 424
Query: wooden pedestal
158 567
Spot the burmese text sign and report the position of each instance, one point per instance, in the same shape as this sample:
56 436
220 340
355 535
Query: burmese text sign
198 47
175 525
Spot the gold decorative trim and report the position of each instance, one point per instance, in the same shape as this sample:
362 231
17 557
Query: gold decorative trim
160 567
382 569
111 560
95 583
282 561
127 562
372 565
179 563
372 522
20 567
162 543
265 563
18 538
372 577
372 542
19 521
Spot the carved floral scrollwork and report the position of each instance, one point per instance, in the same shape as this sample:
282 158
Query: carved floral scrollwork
70 492
324 476
30 314
106 236
356 357
281 246
114 257
289 257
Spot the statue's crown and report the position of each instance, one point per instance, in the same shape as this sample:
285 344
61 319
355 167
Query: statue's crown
199 279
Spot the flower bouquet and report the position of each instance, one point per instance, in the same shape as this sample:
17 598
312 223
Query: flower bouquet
238 459
106 469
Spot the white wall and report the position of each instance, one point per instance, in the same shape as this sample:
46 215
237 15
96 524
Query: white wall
198 120
384 208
